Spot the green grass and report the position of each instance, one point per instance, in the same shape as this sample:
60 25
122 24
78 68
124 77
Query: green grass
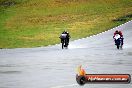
34 23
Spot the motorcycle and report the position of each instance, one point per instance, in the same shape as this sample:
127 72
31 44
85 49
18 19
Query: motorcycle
64 44
118 41
64 41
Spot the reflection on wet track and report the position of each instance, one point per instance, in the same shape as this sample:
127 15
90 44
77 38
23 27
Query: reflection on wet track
52 67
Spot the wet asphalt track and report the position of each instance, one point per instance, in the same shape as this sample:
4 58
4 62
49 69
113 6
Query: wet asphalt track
52 67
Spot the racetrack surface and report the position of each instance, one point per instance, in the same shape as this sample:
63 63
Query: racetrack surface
52 67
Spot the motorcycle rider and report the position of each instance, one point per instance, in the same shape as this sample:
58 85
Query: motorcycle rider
118 32
121 35
65 36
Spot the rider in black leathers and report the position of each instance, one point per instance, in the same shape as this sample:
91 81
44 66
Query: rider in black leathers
66 38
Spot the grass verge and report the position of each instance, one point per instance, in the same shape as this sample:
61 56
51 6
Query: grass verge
34 23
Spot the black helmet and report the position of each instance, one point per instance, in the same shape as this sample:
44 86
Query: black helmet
116 31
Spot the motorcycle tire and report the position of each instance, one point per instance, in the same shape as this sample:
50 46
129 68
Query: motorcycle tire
117 46
62 45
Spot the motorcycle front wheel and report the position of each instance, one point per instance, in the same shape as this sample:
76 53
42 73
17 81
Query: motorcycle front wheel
117 46
62 45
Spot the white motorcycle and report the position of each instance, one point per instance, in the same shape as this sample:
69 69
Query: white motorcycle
118 41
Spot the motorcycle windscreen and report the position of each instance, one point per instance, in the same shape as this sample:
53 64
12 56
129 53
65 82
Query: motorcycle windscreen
117 36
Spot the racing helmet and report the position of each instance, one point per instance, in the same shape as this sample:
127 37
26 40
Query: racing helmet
116 31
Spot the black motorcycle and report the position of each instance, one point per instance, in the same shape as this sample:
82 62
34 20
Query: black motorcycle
64 43
64 40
